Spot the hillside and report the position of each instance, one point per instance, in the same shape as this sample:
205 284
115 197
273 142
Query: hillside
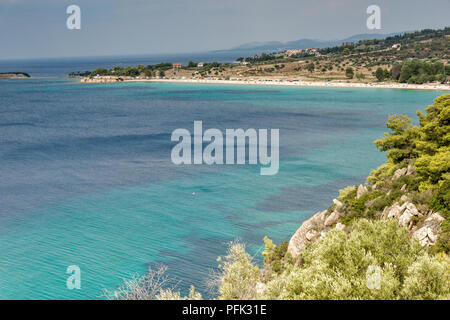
272 46
415 58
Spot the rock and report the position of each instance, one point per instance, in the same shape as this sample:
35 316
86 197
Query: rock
400 172
411 208
437 217
404 198
308 232
393 211
361 191
337 203
340 226
312 235
429 231
403 213
260 288
405 219
332 219
403 188
410 170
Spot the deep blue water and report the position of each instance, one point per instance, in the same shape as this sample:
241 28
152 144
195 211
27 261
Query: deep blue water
86 177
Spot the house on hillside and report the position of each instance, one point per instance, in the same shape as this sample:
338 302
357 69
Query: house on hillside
176 65
294 51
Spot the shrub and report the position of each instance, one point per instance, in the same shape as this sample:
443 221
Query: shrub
274 257
238 276
349 73
335 267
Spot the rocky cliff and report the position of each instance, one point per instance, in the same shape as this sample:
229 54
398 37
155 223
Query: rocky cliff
423 223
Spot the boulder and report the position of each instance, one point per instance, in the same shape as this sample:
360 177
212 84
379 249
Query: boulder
308 232
410 170
405 219
361 191
404 198
393 211
404 213
337 203
411 208
340 226
400 172
428 232
332 219
312 235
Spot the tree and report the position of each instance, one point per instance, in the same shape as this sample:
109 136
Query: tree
310 67
238 275
349 72
132 72
100 72
360 76
433 146
192 64
395 71
382 74
148 73
400 144
421 71
379 74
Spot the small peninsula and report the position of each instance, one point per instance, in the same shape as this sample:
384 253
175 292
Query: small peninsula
14 75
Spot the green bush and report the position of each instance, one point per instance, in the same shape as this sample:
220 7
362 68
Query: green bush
336 266
274 257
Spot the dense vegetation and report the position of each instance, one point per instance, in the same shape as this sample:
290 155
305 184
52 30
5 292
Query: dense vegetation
417 57
338 267
155 70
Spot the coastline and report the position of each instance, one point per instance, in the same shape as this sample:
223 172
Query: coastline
279 82
14 75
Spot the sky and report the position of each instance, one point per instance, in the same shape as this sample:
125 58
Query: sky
37 28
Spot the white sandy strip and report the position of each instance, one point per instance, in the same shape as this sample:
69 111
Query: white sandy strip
328 84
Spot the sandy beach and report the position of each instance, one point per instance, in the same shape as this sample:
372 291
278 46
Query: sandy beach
279 82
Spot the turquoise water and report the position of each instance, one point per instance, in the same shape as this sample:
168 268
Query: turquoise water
86 176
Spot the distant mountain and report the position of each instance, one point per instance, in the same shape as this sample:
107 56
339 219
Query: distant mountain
272 46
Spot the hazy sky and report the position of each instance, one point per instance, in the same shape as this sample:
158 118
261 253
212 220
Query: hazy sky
37 28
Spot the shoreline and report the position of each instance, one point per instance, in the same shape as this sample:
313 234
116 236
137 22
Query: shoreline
292 83
14 75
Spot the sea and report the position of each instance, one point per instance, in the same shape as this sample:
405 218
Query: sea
86 177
